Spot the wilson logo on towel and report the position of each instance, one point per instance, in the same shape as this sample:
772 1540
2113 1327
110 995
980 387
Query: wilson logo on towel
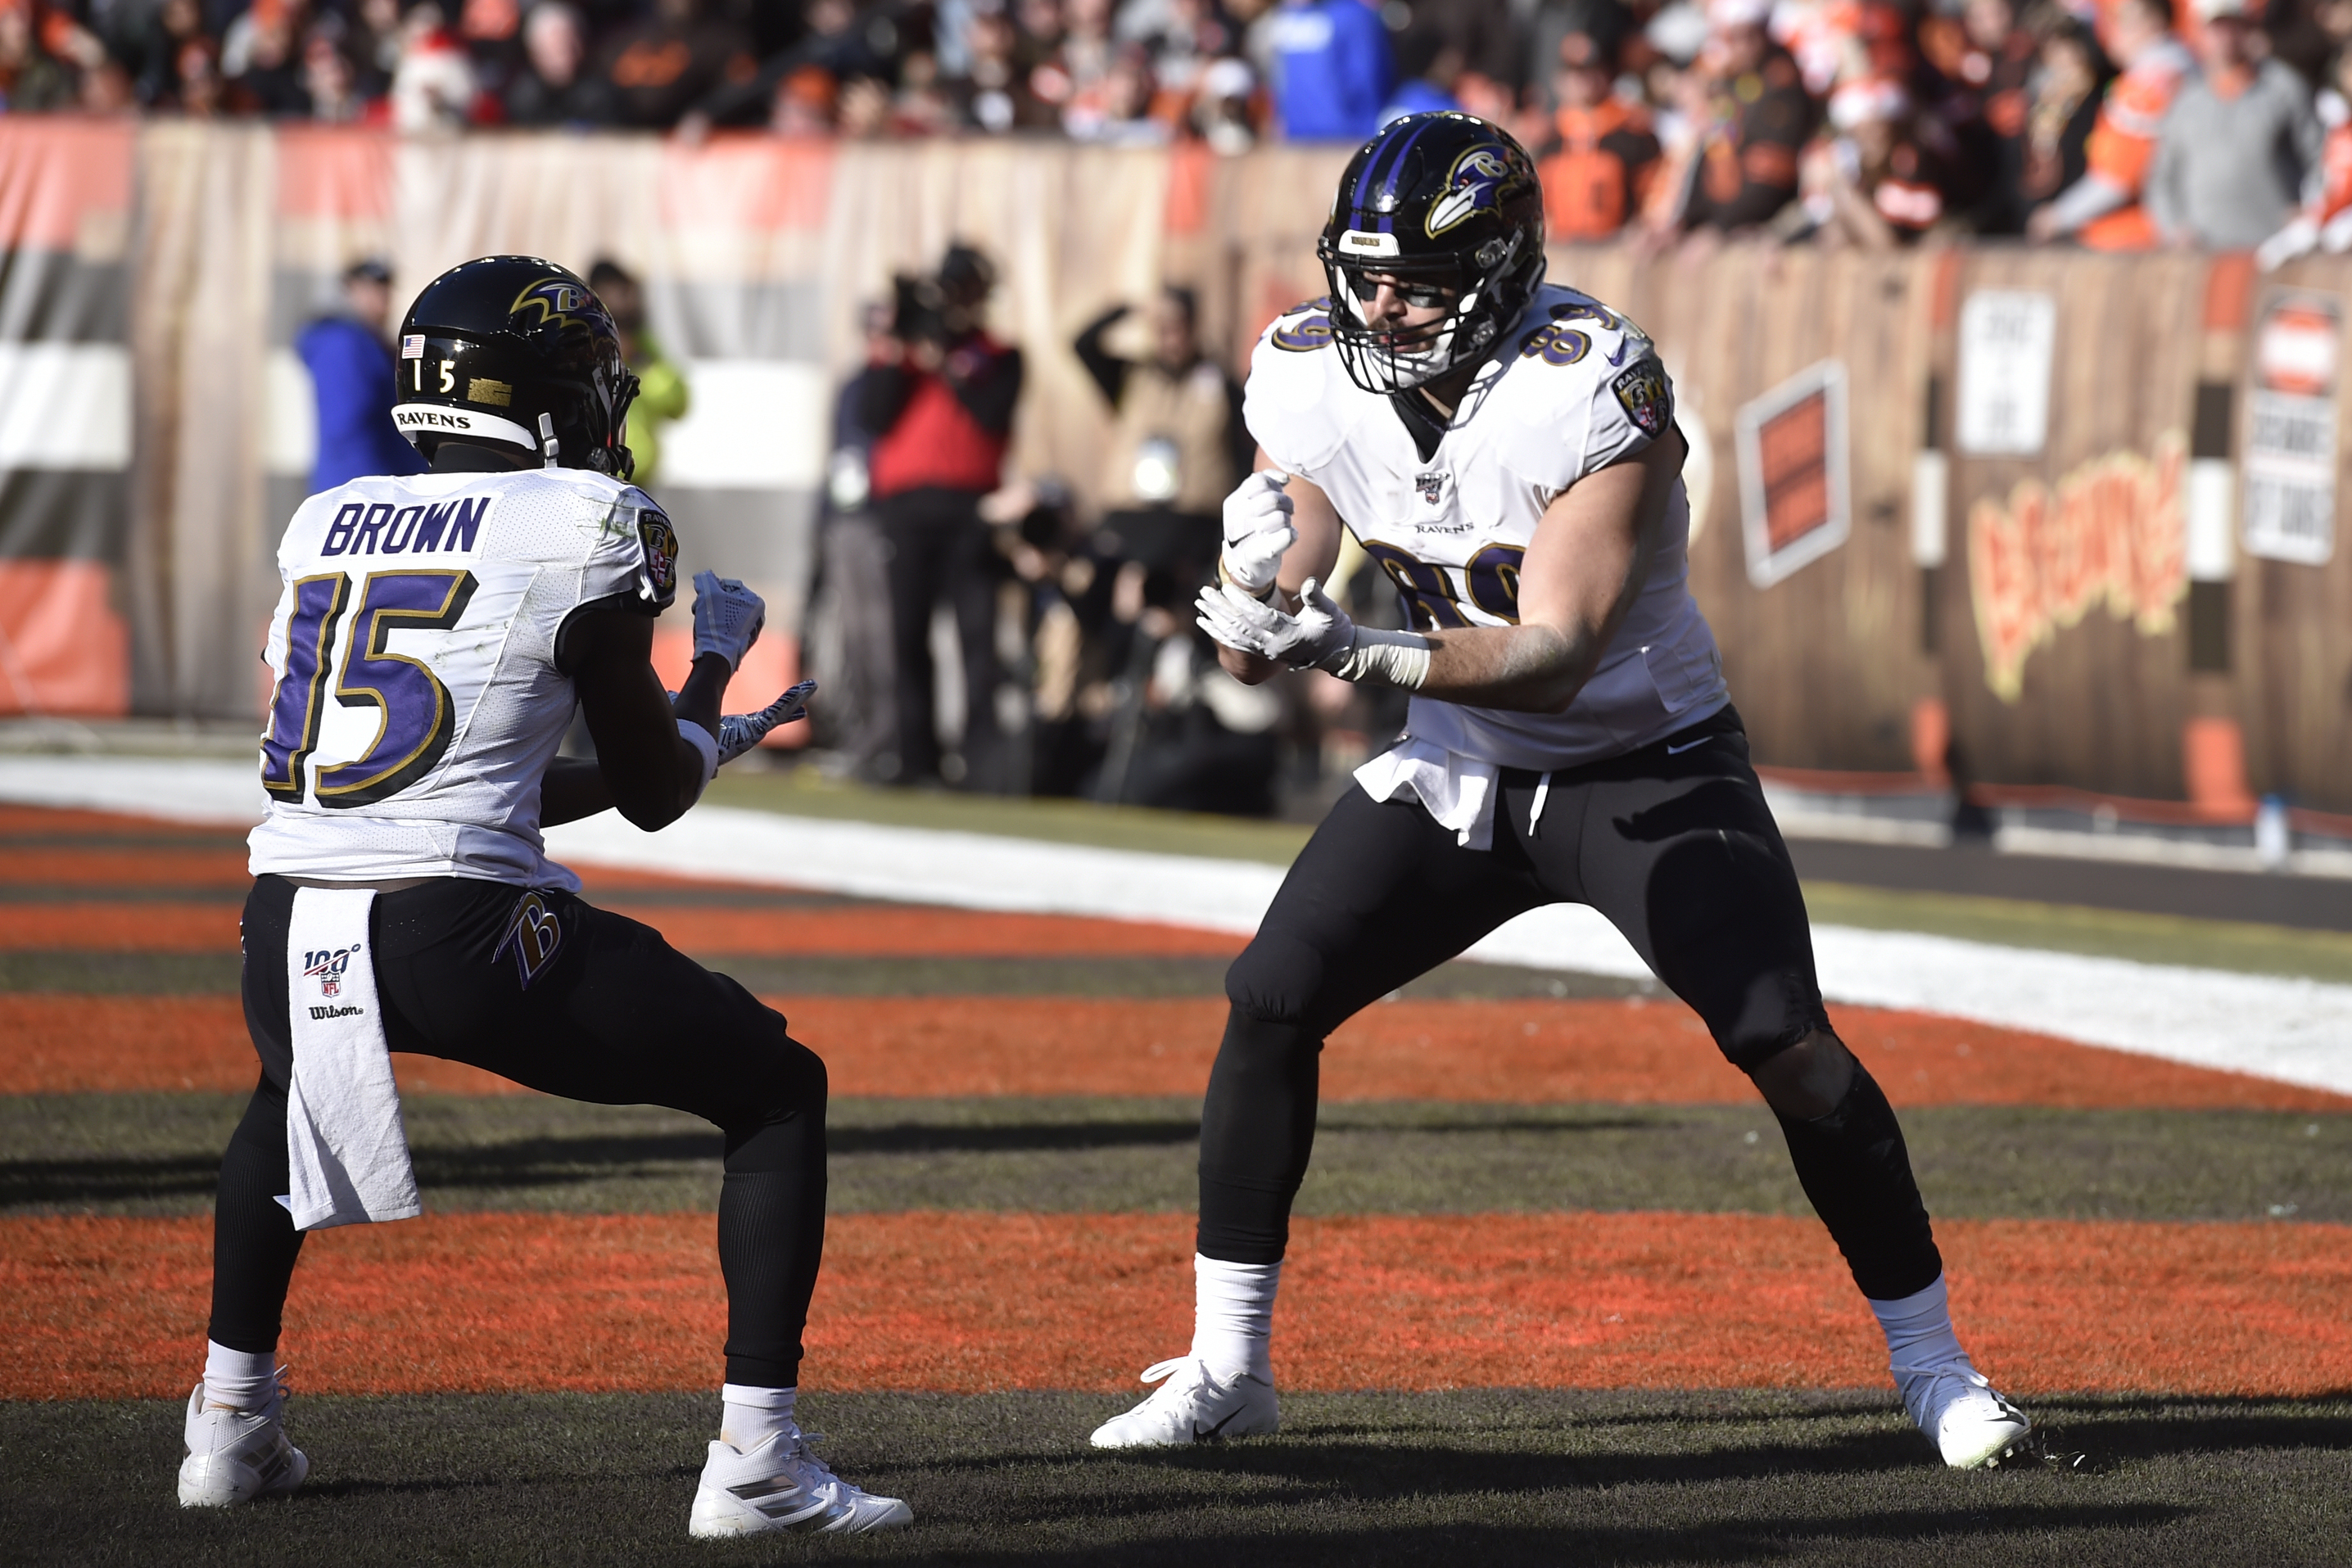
329 967
344 1012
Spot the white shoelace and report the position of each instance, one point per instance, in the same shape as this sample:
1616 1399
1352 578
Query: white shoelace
1169 1368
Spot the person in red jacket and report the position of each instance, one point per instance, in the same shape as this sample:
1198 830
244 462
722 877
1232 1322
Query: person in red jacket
1597 165
941 392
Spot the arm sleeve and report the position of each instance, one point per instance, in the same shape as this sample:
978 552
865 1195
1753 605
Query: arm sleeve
1108 371
882 394
990 392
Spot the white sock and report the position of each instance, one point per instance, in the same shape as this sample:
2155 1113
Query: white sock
1919 1341
241 1379
1232 1315
754 1415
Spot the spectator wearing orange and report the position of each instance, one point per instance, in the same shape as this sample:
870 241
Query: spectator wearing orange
2103 209
2240 149
664 66
1761 117
1601 155
2325 221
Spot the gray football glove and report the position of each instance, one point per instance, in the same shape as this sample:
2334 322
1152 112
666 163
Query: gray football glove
727 617
740 732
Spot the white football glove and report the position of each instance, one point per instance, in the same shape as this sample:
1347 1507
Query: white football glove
1257 531
1320 634
740 732
727 617
1319 630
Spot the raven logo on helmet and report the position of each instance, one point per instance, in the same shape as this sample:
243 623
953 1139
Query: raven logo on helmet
1477 175
556 299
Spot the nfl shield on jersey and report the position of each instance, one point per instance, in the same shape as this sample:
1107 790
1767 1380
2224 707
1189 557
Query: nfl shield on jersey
417 701
1576 387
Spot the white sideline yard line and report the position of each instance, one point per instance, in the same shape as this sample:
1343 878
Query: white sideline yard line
2294 1030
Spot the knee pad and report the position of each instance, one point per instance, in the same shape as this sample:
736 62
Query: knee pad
1275 980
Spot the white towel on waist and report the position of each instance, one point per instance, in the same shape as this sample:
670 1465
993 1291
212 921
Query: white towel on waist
1459 791
345 1146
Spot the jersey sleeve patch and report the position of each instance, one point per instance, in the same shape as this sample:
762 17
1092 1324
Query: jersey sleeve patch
1642 391
657 563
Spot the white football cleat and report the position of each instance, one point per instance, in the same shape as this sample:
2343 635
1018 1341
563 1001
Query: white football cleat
1972 1427
780 1485
236 1456
1194 1407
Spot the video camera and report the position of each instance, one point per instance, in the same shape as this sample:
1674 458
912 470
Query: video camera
919 312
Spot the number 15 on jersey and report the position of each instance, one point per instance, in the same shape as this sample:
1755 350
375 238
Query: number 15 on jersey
415 717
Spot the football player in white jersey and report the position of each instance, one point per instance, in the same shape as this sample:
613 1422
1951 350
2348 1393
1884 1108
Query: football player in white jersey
434 637
1507 449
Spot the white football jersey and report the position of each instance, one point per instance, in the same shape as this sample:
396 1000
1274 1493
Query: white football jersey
1575 387
417 703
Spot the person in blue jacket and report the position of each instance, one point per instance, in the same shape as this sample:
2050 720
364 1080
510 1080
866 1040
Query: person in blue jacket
1332 70
351 366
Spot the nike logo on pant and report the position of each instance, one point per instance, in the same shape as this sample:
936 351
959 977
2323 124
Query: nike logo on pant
1685 746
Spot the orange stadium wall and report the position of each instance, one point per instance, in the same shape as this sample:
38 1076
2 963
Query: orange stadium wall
2078 610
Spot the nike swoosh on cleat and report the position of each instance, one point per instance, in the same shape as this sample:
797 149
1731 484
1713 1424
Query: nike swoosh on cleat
1200 1437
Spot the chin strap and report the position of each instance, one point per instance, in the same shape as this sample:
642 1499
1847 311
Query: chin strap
547 445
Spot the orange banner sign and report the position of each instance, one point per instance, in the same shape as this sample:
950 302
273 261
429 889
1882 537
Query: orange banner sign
2113 531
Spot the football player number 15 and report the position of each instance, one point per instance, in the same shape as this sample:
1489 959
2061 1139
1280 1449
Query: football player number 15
415 717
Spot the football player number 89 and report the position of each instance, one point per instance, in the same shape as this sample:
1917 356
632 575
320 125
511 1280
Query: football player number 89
1490 581
415 716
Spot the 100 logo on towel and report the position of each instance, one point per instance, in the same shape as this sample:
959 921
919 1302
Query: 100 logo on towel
329 967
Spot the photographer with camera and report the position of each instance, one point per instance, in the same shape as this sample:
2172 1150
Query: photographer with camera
939 393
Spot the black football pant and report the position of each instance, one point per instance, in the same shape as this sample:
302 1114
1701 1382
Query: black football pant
1675 845
614 1016
940 551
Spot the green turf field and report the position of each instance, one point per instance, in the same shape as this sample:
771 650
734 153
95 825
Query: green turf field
1486 1478
1481 1476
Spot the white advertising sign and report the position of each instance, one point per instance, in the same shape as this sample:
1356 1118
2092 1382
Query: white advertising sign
2007 343
2290 452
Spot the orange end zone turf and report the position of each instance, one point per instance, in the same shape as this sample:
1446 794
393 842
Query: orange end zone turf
146 866
963 1303
1537 1051
858 929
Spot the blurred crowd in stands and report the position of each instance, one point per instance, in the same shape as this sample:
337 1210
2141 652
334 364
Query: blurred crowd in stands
2116 123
